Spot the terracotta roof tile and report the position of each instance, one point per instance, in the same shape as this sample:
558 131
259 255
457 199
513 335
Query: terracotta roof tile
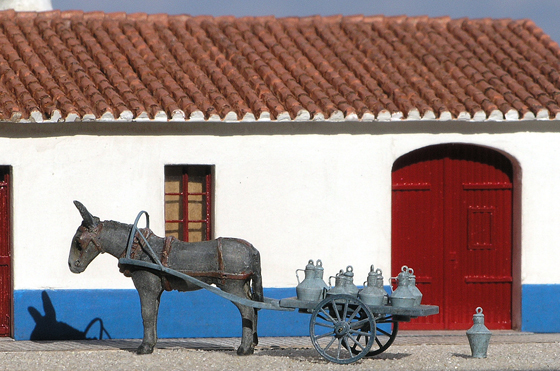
72 66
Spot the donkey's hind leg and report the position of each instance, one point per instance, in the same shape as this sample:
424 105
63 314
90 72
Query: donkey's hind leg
248 317
149 289
255 325
247 345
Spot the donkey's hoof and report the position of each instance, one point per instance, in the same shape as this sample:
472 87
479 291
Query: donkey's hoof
145 349
245 352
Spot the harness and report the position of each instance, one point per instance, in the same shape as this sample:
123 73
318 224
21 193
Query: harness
167 247
92 236
220 273
88 236
137 245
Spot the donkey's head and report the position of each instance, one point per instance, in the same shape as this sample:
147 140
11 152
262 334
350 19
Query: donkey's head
85 244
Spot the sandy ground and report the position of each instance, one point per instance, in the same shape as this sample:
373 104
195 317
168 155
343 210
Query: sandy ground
518 356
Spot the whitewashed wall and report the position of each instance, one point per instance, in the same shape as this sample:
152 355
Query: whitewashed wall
26 5
295 197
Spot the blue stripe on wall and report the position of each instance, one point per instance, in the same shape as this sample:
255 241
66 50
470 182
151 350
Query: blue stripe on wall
78 314
67 314
539 308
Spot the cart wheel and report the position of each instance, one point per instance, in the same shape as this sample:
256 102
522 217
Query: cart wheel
342 329
386 332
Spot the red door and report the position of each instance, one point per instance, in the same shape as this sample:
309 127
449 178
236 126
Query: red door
5 252
452 223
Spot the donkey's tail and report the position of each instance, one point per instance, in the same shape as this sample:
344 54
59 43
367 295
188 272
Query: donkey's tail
258 294
256 280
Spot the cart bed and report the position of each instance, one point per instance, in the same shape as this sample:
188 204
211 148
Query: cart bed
420 311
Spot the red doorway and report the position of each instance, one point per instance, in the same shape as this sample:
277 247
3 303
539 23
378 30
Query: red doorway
452 223
5 254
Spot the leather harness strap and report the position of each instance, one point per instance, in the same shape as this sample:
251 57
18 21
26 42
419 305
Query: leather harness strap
220 255
166 250
135 248
165 261
91 235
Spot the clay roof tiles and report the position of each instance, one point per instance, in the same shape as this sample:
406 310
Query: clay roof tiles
76 66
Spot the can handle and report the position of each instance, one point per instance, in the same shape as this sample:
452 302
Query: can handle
391 281
330 284
297 276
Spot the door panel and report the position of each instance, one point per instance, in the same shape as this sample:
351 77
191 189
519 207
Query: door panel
418 194
457 233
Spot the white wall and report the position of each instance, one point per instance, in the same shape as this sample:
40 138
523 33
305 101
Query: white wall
26 5
295 197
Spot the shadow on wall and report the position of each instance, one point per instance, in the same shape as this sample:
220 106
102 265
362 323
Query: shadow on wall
48 328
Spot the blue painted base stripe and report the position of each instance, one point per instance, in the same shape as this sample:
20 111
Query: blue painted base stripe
539 309
80 314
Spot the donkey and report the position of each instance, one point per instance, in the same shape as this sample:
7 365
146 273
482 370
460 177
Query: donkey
232 265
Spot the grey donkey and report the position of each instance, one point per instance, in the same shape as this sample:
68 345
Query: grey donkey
231 264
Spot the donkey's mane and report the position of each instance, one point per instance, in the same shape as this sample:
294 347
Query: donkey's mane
116 225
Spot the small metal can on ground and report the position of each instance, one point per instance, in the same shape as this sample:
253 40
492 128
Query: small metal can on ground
479 335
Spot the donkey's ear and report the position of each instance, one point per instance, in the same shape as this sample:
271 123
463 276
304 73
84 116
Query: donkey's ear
89 220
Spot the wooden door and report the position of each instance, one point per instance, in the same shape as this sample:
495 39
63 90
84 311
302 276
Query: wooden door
452 223
5 255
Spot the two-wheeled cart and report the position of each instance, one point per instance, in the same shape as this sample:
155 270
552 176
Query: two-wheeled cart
342 328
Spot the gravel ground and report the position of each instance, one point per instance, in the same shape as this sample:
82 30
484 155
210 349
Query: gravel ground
519 356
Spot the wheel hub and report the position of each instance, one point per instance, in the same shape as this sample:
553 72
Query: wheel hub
341 329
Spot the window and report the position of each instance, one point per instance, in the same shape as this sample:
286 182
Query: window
188 202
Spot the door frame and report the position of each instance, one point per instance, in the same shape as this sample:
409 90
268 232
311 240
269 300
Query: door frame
9 171
516 225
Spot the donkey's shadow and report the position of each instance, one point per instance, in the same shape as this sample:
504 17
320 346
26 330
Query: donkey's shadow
48 328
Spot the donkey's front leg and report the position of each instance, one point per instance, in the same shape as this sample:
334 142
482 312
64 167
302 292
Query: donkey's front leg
149 289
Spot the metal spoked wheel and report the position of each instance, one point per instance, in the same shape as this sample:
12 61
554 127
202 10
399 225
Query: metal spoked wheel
386 332
342 329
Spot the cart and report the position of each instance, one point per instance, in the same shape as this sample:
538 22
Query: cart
342 328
